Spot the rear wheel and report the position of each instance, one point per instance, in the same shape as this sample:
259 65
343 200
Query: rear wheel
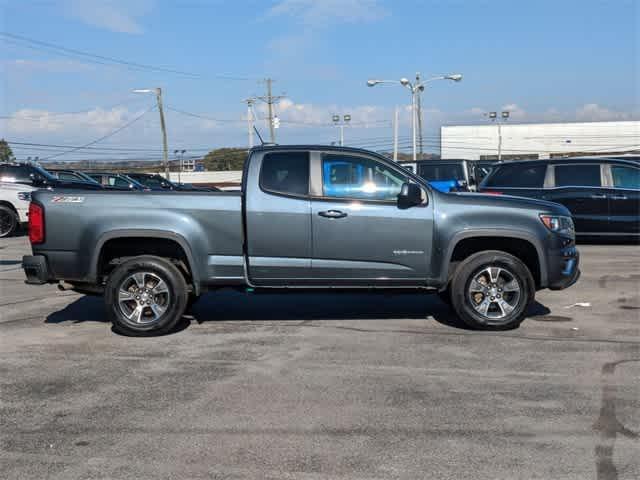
146 296
8 221
491 291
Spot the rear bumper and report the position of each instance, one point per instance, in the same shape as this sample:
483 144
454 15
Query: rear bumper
36 269
564 268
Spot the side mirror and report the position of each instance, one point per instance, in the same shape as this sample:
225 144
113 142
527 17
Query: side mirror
410 195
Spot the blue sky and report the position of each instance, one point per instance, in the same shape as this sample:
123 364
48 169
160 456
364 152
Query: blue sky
545 61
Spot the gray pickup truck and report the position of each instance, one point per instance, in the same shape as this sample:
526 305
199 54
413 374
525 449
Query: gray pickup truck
307 217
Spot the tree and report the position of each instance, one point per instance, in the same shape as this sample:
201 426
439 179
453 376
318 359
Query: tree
225 159
6 154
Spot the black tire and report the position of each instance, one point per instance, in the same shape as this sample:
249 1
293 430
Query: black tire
468 302
157 318
8 221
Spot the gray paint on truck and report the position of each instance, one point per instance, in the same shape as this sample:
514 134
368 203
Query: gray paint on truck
265 239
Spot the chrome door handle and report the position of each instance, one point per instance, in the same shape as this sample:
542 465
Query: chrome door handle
332 214
618 197
598 196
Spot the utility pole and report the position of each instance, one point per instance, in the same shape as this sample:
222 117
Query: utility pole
419 113
270 99
165 148
395 135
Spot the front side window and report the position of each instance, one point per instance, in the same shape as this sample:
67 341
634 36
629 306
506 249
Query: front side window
285 172
578 175
358 177
517 176
625 177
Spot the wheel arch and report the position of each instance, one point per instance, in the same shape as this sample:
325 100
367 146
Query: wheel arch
184 251
521 244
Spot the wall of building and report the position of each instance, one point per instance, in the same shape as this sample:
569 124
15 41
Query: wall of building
544 140
226 177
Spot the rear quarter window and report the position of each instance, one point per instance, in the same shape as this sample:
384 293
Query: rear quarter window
517 176
286 173
625 177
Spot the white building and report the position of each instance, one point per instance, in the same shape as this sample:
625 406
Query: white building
539 140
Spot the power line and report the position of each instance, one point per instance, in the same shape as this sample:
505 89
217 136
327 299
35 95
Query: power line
204 117
117 130
104 60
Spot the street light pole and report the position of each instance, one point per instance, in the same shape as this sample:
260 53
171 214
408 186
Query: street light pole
250 120
345 120
413 123
415 90
165 149
493 116
395 135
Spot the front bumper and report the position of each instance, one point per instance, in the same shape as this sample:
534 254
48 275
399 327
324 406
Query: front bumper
564 268
36 269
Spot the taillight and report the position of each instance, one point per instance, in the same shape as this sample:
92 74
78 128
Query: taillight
492 192
36 223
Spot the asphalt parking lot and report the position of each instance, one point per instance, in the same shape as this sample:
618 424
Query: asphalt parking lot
318 386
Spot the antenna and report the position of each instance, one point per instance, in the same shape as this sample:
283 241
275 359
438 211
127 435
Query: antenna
259 136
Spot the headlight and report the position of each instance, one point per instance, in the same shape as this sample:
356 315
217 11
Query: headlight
26 196
558 224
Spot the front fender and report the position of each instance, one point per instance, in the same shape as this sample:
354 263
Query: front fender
492 232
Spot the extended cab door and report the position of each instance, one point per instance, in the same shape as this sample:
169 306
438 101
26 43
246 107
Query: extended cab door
360 235
278 218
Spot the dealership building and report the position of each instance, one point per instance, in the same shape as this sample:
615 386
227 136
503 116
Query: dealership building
539 140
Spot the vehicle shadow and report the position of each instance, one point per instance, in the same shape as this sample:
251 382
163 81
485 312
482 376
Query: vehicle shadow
230 305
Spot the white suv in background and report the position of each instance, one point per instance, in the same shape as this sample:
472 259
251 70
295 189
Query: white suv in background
14 205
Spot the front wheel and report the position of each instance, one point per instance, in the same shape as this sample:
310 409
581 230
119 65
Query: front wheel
145 296
491 291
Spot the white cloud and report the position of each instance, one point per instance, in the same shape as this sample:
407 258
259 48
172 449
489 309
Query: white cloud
95 122
592 112
315 15
309 115
320 13
515 111
116 15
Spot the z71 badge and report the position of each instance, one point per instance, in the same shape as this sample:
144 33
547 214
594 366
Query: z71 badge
66 199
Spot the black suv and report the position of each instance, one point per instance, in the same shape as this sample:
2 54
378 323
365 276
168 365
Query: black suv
29 174
603 194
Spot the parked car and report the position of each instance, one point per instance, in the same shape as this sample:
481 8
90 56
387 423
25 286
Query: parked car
29 174
116 181
151 255
14 205
158 182
446 175
602 194
71 175
479 169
